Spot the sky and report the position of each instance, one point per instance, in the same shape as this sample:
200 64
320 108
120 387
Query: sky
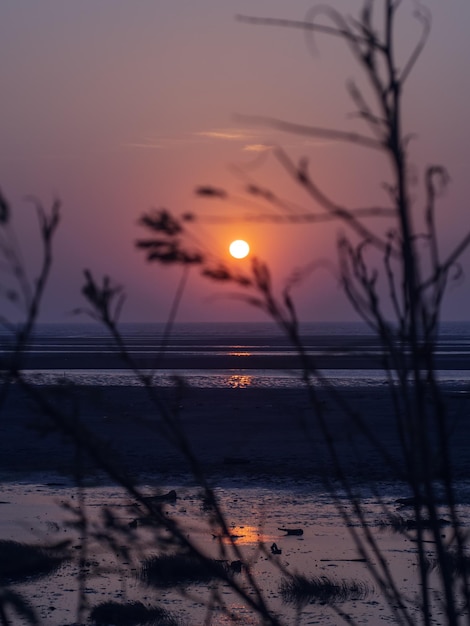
117 107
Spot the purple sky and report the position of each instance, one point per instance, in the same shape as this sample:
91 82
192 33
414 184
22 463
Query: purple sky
118 106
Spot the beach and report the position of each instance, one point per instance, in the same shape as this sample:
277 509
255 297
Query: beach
267 461
272 453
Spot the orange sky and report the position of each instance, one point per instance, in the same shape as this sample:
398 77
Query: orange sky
118 106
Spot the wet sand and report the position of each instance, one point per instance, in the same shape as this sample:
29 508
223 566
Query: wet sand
266 440
251 433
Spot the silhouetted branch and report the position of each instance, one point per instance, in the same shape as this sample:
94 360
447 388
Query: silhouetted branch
307 218
377 124
106 299
4 209
343 32
301 175
31 292
424 16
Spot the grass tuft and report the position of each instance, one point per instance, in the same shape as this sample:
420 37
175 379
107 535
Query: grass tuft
401 524
322 589
130 614
178 569
20 561
457 564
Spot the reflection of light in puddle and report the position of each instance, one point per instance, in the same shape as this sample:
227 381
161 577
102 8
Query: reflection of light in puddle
239 381
246 535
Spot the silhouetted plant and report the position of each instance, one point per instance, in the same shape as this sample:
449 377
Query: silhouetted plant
14 603
131 614
23 297
23 293
323 589
171 570
415 278
372 263
20 561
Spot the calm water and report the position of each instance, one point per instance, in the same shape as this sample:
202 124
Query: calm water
225 354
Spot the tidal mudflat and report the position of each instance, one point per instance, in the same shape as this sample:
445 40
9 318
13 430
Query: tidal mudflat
43 513
267 462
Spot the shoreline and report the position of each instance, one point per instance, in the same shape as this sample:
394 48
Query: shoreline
241 359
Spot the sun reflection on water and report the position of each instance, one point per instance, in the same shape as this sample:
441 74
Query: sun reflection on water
246 535
239 381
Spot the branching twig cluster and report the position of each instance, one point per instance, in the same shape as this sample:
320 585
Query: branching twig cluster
394 282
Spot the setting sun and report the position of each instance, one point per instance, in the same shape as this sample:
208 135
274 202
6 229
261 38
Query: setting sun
239 249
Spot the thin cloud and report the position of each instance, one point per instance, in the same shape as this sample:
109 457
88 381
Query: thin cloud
228 135
254 142
257 147
261 141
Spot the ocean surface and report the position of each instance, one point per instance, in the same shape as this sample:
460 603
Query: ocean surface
212 355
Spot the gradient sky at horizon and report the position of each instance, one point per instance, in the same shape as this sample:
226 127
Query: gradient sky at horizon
116 107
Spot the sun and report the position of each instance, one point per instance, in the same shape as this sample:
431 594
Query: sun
239 249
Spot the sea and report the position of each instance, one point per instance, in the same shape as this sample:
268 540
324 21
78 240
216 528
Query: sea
223 355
